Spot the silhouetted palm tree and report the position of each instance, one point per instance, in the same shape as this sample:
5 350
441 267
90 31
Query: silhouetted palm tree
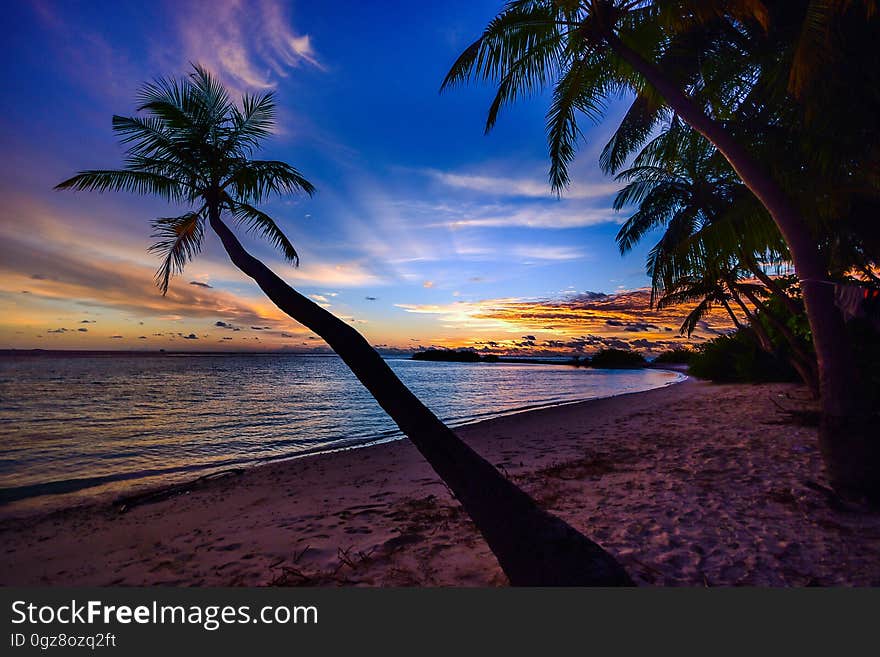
678 182
195 147
714 232
704 61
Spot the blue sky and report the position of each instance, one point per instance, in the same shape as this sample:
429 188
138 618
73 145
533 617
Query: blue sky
424 231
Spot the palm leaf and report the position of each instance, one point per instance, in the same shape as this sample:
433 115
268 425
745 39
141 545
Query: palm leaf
693 318
641 118
522 31
253 123
582 89
136 182
180 240
256 180
261 223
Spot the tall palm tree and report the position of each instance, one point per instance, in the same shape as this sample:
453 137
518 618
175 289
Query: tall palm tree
195 147
591 50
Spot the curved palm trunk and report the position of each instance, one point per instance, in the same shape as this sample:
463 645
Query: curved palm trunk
847 437
533 547
732 314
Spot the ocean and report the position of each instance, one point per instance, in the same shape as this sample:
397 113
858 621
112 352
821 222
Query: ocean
72 427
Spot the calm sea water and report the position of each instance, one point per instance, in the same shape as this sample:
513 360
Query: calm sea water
73 427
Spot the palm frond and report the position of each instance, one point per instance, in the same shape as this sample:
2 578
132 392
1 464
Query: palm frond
210 96
655 210
261 223
147 135
253 181
693 318
641 118
814 44
136 182
180 240
523 31
582 89
170 101
194 146
250 125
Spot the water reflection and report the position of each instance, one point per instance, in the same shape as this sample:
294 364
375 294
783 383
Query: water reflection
82 421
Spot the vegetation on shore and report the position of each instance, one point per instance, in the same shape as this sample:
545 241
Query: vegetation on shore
679 356
617 359
450 355
738 357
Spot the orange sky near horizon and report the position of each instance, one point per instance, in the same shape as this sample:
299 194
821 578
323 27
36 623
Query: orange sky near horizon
423 232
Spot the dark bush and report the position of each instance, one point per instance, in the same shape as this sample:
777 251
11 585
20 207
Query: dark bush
615 359
739 358
679 356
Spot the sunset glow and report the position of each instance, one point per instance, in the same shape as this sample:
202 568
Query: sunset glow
423 232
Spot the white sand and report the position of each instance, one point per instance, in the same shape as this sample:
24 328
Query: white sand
695 484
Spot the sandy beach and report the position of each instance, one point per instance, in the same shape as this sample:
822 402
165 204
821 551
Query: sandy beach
695 484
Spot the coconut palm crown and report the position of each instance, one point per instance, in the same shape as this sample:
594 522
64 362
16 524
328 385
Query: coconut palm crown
193 146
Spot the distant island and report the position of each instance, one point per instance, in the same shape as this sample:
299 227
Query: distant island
603 359
453 356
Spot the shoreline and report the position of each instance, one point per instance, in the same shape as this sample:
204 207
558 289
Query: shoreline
691 484
113 486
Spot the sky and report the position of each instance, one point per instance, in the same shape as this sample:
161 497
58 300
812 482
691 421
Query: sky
424 232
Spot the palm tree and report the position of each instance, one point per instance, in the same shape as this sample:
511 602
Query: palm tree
194 147
664 51
713 232
679 182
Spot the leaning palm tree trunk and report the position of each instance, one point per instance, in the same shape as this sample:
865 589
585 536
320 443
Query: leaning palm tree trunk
732 314
533 547
847 438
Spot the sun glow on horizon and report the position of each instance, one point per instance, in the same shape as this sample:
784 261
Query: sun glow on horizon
449 239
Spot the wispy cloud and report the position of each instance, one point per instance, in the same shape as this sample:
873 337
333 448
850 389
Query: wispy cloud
531 187
87 226
250 44
550 253
559 217
321 300
465 213
470 315
345 274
